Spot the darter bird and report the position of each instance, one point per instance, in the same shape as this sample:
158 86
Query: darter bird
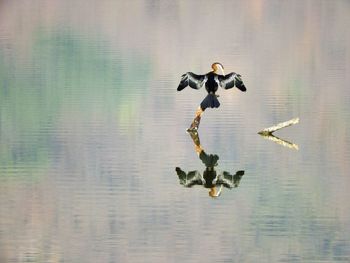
212 81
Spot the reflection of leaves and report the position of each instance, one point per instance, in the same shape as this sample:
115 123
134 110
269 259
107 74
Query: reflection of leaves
65 73
85 71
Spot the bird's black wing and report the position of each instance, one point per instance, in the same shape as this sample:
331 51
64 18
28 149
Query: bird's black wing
231 80
192 80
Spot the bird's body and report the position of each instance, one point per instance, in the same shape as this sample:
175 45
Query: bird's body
211 85
212 81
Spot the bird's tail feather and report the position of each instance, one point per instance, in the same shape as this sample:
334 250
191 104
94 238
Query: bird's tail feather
210 101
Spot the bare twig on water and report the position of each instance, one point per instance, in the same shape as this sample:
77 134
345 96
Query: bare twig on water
270 130
267 133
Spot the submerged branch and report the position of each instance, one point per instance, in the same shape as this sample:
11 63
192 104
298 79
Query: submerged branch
270 130
267 133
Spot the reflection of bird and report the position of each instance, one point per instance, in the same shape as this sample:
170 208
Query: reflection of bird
210 178
212 80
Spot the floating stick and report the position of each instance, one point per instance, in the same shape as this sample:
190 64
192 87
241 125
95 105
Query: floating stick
270 130
267 133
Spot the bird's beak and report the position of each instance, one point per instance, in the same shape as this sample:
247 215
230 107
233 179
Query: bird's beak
222 69
223 72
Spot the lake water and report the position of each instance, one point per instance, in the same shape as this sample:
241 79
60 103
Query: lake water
92 129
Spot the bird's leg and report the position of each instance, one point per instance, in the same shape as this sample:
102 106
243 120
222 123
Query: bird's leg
195 123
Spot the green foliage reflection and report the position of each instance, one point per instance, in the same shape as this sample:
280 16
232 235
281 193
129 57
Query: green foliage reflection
64 74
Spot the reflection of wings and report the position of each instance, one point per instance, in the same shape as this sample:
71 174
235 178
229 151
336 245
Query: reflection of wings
189 179
231 80
192 80
228 180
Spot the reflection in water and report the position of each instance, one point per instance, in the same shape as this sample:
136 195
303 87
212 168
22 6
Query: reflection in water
280 141
268 133
90 123
210 178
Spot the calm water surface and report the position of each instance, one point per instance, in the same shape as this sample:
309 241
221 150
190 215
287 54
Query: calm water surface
92 129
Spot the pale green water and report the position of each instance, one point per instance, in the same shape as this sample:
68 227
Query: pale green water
92 128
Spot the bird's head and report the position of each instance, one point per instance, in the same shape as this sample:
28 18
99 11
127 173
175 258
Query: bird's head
218 66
